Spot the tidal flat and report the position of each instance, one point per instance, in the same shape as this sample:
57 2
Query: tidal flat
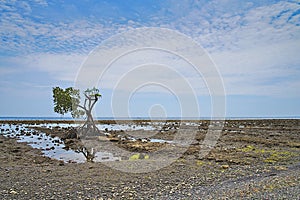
143 159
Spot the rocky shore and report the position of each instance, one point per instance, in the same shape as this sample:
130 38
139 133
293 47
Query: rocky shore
253 159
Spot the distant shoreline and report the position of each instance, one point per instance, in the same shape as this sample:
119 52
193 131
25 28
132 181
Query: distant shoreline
53 120
141 118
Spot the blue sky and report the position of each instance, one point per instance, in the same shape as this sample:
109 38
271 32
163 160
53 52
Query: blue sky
254 44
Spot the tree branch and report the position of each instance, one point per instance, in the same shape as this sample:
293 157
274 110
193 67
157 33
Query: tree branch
80 106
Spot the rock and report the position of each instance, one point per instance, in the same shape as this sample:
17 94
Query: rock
72 134
225 166
69 141
55 141
13 192
66 148
102 138
16 150
113 139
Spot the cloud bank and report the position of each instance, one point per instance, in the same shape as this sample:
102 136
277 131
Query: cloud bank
254 44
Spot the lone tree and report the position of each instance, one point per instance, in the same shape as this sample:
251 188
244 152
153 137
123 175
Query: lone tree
68 100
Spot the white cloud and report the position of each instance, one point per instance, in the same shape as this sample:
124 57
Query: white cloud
41 2
121 57
25 7
216 25
22 34
6 70
61 67
253 46
221 29
264 70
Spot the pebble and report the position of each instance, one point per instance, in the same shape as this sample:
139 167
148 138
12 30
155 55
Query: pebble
225 166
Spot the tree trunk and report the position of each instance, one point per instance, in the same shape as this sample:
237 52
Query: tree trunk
89 125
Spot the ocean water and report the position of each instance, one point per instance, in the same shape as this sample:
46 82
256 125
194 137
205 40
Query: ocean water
97 118
145 118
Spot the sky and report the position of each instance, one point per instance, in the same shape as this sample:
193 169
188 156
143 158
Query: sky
254 46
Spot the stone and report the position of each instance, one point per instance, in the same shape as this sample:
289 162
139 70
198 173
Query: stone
225 166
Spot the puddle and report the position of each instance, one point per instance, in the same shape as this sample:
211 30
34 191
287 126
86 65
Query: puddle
50 147
55 147
161 141
128 127
113 127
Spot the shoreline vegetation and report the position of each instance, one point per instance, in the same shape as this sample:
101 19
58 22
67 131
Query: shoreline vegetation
253 159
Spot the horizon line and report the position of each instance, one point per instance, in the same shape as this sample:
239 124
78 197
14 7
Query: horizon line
146 118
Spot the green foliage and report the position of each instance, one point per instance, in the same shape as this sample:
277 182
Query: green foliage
248 148
139 156
67 101
277 156
268 155
134 157
200 162
94 92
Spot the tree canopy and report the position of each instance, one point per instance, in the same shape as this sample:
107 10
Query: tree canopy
68 101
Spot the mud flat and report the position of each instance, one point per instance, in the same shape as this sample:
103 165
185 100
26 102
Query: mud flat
253 159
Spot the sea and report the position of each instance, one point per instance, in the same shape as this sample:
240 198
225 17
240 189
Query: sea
3 118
